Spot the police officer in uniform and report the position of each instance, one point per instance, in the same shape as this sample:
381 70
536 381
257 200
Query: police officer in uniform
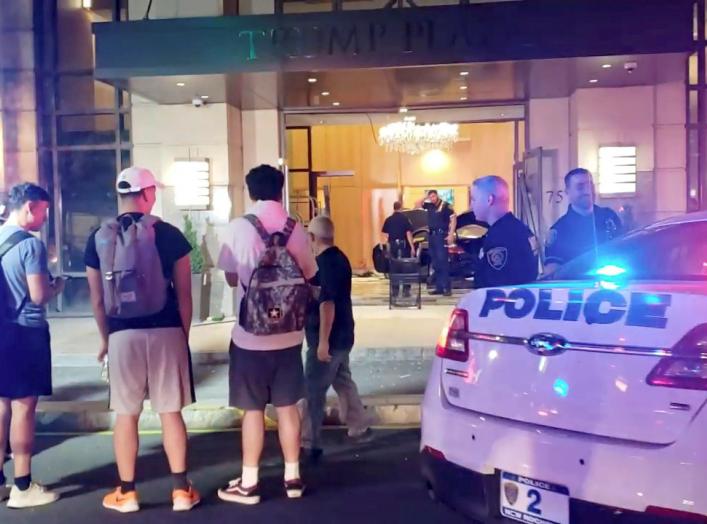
509 253
585 225
442 222
397 234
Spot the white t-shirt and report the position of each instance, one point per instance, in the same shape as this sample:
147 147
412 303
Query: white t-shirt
240 253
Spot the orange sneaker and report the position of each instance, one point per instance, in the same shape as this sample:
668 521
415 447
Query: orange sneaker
122 502
184 500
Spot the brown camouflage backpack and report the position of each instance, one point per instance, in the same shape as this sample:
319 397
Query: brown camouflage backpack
275 300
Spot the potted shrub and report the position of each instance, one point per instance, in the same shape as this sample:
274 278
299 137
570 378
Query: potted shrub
199 287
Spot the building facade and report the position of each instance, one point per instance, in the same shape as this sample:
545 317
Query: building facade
200 92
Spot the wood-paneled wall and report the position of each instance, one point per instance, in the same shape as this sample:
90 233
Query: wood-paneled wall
483 149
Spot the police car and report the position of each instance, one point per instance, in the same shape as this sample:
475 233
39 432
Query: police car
579 399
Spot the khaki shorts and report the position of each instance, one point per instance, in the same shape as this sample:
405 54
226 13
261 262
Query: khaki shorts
149 363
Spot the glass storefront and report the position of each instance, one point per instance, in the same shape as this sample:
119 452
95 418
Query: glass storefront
85 136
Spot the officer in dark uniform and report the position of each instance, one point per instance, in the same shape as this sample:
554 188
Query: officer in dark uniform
442 222
509 253
585 225
397 234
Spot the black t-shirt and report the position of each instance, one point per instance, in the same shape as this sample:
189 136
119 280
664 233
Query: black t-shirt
396 226
334 280
574 234
438 216
171 246
508 256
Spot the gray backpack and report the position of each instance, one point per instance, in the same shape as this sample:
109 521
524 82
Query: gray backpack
134 285
275 300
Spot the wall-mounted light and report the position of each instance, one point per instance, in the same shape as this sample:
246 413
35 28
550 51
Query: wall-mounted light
617 170
191 180
87 4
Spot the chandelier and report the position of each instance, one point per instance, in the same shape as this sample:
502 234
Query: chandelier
413 139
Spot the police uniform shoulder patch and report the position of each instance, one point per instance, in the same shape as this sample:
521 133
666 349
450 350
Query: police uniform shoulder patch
497 257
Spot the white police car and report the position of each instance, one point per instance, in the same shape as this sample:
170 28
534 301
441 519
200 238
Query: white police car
581 399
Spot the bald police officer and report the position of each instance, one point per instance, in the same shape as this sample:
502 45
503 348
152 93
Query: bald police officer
585 225
509 253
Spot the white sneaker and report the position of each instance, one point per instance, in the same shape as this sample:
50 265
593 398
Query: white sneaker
36 495
4 492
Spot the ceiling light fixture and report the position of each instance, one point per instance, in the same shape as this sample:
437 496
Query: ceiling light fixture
464 73
463 88
594 81
412 139
410 118
180 84
325 93
204 97
336 104
462 98
87 4
312 80
403 110
606 66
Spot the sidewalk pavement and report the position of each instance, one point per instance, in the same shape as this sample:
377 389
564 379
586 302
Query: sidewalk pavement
381 334
392 354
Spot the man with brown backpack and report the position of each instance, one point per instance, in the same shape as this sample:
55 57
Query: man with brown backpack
268 257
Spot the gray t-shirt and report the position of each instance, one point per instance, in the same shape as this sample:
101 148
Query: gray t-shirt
29 257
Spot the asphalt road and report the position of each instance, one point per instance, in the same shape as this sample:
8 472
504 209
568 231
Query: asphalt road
377 482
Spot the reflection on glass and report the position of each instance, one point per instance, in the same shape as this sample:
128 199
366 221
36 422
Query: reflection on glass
88 198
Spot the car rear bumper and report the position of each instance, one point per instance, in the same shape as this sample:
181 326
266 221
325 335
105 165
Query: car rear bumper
601 471
477 496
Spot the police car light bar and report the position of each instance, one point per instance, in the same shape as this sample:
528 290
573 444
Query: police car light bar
610 270
453 342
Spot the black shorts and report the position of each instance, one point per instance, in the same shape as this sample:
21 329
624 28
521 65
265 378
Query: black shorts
25 362
258 378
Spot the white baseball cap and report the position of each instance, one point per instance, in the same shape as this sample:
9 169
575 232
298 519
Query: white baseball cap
135 179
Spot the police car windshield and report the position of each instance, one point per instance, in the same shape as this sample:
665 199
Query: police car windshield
674 252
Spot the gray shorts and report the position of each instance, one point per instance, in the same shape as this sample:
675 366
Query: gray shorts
258 378
149 363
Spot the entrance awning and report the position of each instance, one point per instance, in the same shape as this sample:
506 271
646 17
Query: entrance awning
504 31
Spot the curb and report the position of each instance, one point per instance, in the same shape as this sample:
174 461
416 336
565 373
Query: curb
206 358
93 416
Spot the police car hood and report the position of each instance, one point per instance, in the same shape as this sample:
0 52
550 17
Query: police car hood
595 380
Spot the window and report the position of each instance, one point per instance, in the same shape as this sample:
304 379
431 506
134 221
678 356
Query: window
675 252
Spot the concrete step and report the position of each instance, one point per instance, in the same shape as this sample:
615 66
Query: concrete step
93 416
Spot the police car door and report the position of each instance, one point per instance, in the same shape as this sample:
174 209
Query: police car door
618 361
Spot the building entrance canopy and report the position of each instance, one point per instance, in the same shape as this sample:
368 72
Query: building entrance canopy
503 31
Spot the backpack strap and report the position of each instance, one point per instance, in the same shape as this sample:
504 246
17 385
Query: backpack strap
259 227
12 241
5 247
289 228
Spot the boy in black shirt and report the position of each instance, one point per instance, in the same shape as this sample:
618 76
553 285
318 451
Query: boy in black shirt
330 338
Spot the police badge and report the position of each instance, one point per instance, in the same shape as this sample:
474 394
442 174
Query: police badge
511 492
497 257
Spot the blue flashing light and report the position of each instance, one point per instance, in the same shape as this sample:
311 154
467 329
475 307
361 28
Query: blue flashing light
561 387
610 270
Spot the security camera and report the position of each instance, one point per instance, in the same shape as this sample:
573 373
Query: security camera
198 102
630 67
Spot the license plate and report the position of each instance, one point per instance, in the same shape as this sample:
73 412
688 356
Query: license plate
534 501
